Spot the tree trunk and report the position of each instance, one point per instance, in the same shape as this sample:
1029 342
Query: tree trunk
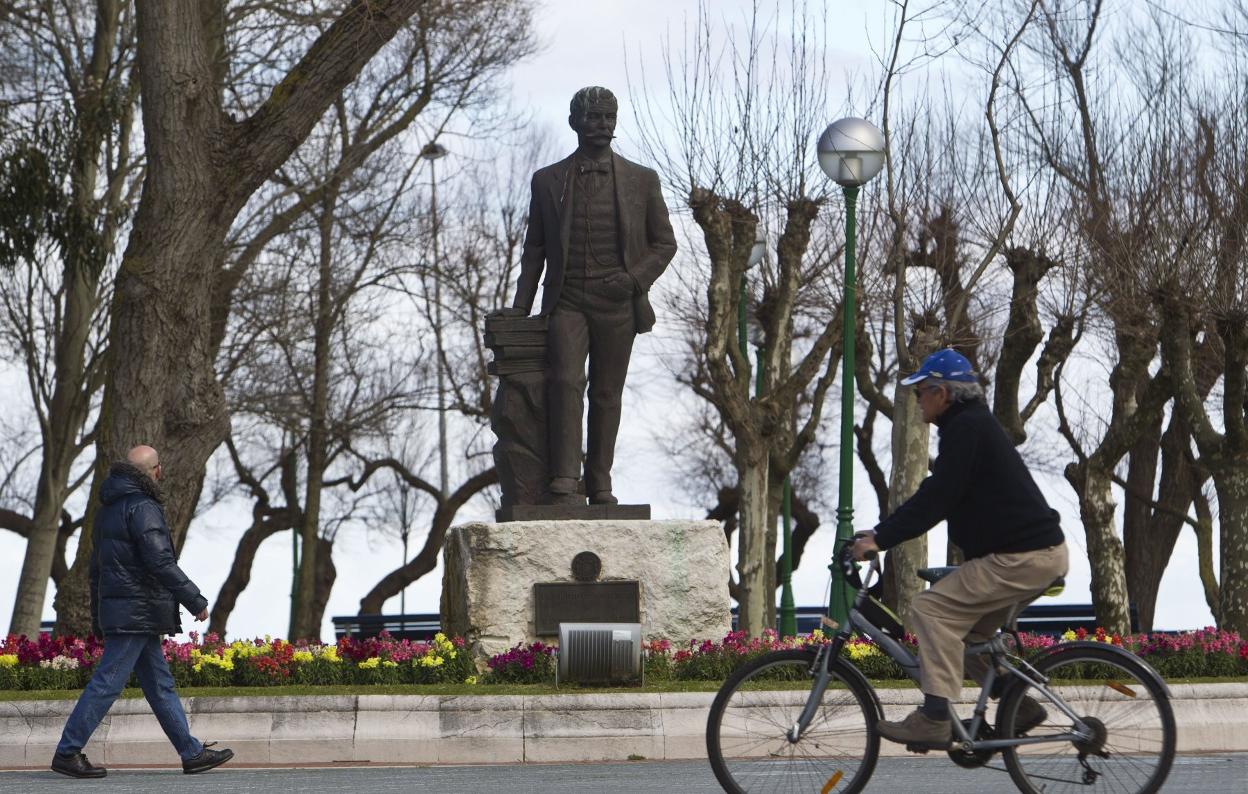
909 444
1105 552
32 585
305 623
1148 550
326 573
240 572
1231 484
1142 551
756 601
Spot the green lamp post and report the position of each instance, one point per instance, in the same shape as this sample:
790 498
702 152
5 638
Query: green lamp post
851 153
788 611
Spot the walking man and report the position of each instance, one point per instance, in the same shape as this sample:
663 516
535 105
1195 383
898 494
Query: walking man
599 228
1013 544
136 586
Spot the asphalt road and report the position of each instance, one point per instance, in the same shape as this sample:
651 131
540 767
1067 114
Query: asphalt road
1221 774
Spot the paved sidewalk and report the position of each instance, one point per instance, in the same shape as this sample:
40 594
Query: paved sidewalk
1219 774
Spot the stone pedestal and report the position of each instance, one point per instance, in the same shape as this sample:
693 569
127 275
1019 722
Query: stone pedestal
490 569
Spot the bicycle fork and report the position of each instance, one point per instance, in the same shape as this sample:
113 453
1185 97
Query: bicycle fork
823 676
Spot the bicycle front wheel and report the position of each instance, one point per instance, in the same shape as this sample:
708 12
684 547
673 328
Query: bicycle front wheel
747 731
1121 700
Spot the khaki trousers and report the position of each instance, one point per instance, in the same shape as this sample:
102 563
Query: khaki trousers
969 605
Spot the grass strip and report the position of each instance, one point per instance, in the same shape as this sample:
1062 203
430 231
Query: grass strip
464 689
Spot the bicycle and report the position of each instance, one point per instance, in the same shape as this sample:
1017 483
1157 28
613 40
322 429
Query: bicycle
805 719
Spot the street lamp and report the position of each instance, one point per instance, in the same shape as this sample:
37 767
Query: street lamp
434 151
851 153
757 252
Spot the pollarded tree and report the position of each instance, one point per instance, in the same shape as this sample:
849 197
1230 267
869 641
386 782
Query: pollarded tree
1208 298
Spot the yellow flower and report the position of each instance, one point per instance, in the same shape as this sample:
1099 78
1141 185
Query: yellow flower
211 660
8 660
472 679
817 634
388 663
1069 635
861 650
301 657
370 664
430 660
329 653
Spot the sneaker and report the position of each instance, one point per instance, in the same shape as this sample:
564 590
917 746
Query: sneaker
917 729
207 759
76 765
1029 715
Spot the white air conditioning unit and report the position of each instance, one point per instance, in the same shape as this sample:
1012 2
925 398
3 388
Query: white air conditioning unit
599 653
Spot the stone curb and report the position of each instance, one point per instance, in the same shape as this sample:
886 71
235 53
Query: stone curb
481 728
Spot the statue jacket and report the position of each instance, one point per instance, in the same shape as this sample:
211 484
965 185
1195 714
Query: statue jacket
646 241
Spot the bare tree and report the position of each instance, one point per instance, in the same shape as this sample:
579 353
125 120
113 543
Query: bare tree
1205 333
76 98
1105 164
772 99
205 165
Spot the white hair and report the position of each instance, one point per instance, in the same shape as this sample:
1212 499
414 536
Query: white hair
961 391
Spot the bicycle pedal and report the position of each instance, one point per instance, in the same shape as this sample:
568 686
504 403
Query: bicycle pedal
923 749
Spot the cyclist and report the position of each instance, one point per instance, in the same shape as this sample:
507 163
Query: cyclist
1010 537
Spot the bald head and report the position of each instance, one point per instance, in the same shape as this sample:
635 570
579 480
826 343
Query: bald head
145 458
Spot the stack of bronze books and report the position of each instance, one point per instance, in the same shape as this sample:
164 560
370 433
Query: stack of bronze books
518 344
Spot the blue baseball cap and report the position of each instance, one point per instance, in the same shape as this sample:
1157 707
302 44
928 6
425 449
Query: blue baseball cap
947 364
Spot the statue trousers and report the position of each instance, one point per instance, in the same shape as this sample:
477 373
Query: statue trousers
588 323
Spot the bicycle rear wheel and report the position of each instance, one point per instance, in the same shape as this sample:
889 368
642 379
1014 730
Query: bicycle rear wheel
1124 703
746 733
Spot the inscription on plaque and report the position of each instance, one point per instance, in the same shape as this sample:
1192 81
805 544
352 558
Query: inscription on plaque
584 602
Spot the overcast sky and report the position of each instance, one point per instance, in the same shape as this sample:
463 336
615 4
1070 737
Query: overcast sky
586 42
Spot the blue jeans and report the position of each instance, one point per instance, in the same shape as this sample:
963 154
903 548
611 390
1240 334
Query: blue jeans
123 653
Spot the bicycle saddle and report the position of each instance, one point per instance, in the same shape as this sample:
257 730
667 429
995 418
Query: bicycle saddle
934 575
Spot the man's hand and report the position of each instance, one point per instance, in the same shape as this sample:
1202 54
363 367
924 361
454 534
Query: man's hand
864 544
621 284
203 615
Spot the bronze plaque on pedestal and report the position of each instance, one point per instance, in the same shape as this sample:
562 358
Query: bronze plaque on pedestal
584 602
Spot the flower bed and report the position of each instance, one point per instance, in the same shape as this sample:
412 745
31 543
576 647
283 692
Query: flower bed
66 663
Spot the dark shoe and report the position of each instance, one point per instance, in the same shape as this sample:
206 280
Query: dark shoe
565 499
76 765
603 498
1029 715
917 729
207 759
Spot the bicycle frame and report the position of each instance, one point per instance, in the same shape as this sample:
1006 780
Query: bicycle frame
963 737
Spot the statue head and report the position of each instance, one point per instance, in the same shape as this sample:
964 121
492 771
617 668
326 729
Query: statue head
592 113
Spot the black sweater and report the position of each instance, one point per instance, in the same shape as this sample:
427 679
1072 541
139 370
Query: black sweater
980 485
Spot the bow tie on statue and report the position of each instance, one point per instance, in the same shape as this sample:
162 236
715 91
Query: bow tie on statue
590 167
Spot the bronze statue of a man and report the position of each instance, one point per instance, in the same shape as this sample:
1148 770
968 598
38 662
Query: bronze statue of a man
599 228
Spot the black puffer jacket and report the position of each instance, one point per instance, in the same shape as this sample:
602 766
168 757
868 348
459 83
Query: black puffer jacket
136 584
